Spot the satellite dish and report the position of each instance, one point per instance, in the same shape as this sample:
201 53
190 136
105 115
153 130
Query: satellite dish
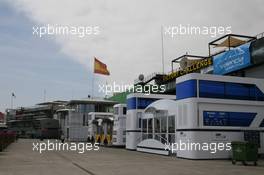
141 77
184 63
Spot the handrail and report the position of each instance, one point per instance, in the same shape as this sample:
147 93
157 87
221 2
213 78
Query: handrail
148 77
164 139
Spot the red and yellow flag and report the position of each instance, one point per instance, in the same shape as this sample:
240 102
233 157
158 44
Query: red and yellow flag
100 68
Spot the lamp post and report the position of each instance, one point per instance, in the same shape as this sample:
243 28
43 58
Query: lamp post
12 99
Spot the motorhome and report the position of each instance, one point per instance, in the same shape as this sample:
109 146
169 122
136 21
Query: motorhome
136 103
75 119
209 109
100 127
119 130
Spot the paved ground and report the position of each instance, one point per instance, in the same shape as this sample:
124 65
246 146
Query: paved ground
19 159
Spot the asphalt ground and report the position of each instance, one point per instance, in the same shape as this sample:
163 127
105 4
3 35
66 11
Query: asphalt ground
20 159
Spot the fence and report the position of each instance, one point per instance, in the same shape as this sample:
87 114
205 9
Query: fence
6 138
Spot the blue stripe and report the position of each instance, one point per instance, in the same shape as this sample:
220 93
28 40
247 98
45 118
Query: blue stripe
139 103
223 118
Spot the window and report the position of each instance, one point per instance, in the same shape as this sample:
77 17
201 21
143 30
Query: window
171 124
139 103
262 123
144 123
139 116
186 89
157 125
150 125
131 103
83 120
142 103
116 110
237 91
139 123
259 94
211 89
124 110
163 124
229 90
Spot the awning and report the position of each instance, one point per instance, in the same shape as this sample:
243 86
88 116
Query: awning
231 42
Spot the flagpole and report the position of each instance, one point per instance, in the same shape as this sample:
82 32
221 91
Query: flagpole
93 74
11 101
162 50
93 85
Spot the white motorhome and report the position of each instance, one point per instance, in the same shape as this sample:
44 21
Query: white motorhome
136 103
100 126
209 110
119 130
219 109
74 120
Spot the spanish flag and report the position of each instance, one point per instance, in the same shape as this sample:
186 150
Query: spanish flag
100 68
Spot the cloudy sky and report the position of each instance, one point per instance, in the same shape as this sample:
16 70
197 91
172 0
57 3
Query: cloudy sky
129 41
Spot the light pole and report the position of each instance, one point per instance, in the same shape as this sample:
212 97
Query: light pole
12 99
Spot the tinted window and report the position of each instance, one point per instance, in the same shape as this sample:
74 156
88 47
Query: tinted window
124 110
212 89
262 123
227 90
237 91
186 89
142 103
131 103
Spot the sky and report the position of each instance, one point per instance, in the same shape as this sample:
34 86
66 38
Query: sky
129 42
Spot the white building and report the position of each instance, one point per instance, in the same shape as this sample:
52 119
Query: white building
208 109
74 120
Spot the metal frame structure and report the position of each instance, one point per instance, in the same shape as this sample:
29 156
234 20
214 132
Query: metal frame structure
177 60
228 36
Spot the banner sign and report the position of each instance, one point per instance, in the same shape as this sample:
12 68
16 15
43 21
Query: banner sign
193 68
232 60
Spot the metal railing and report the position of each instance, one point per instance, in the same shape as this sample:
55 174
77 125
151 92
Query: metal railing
260 35
148 77
162 138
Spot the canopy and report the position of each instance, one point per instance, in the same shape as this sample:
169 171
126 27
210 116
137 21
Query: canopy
231 42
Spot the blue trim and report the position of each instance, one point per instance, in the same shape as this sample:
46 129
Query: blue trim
132 103
223 118
139 103
186 89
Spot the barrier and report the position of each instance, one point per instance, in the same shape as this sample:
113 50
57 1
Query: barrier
6 138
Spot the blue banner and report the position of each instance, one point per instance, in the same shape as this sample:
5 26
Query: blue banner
232 60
